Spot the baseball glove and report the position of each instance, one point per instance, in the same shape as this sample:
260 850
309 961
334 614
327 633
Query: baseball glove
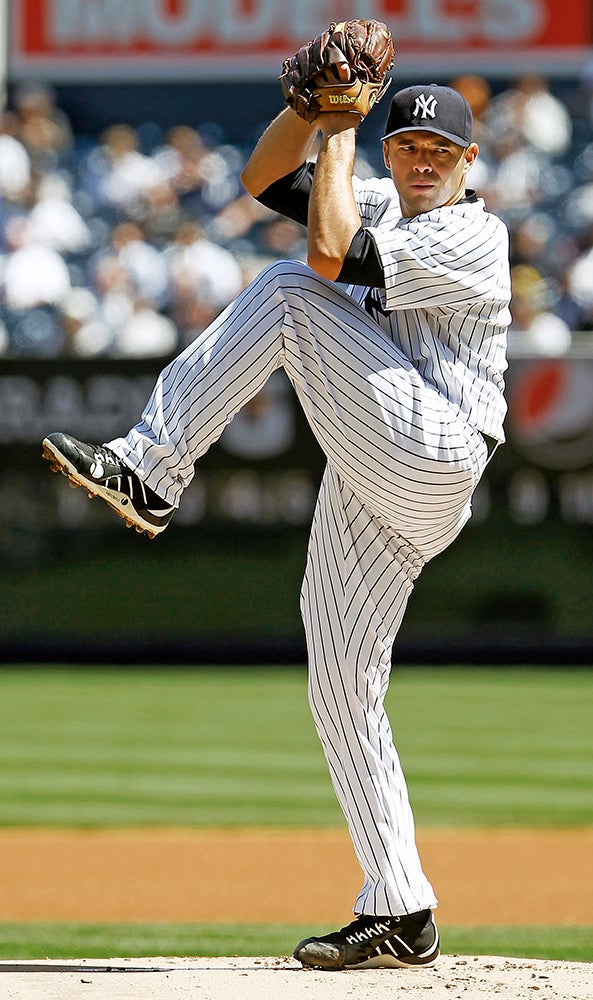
312 84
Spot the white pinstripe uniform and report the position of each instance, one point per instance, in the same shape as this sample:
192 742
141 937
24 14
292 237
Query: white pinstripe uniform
399 403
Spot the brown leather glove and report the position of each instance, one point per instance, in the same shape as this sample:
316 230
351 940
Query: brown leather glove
310 80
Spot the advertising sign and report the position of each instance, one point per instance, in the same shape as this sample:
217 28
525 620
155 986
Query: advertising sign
231 39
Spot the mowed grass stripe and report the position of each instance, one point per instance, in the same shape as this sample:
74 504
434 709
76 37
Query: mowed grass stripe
223 746
73 941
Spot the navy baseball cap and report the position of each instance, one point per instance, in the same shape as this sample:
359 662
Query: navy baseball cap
431 108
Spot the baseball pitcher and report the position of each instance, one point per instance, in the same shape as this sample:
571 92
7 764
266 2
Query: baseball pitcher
393 336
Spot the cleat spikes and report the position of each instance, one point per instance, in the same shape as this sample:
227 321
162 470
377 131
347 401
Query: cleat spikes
102 474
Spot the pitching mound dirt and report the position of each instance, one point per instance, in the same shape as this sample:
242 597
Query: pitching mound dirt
453 978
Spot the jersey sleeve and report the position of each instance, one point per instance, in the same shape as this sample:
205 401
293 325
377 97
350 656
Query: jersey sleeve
449 258
373 196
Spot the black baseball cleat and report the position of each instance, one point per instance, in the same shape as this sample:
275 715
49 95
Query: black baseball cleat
374 942
104 475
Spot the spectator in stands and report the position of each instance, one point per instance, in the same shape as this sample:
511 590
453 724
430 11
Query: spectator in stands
579 281
185 159
527 130
86 335
578 210
112 285
30 274
53 221
539 238
565 305
204 179
145 333
279 237
117 174
530 111
478 94
534 329
159 213
238 219
15 162
205 277
45 129
143 264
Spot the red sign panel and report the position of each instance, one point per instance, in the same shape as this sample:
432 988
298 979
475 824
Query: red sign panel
201 38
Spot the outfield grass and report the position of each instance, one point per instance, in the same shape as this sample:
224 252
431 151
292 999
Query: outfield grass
70 941
95 747
222 746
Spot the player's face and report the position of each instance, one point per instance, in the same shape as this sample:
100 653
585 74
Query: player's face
427 169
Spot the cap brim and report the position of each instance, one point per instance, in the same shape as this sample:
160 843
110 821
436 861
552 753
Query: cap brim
464 143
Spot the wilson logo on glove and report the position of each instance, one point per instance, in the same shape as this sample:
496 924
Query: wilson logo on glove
342 99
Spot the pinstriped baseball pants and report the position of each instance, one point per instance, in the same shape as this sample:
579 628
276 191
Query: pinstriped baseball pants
400 473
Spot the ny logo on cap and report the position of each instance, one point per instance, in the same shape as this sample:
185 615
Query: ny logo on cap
425 107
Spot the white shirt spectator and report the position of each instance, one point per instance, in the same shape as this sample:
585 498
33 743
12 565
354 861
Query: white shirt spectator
15 167
534 328
529 110
31 275
128 178
580 281
197 264
546 123
121 172
54 221
87 335
145 334
546 335
148 270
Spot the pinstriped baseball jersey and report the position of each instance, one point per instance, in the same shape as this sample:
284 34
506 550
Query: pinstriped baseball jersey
445 303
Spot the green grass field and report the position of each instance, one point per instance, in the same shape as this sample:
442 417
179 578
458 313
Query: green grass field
221 746
129 940
90 747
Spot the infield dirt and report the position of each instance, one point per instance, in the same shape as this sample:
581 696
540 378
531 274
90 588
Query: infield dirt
482 877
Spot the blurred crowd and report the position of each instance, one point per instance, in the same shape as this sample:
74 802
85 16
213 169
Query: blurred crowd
129 243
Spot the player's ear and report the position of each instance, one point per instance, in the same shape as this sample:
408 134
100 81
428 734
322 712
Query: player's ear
470 156
386 155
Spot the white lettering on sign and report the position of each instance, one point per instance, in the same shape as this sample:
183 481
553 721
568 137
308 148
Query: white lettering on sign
239 25
123 22
485 20
427 21
506 20
93 21
168 28
119 23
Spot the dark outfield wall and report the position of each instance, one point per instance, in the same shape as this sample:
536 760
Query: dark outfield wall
223 581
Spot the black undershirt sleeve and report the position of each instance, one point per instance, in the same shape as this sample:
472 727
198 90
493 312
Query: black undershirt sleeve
290 194
290 197
362 264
